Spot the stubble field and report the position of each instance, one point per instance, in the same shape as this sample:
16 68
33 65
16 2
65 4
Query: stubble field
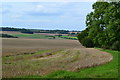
23 57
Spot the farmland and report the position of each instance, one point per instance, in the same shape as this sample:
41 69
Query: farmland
20 45
61 51
25 57
108 71
39 35
23 35
36 55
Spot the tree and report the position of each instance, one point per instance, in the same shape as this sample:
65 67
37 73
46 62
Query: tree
103 24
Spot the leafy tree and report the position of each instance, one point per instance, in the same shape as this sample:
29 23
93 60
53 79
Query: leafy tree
103 25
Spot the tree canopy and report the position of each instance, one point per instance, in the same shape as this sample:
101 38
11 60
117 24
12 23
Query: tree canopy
103 25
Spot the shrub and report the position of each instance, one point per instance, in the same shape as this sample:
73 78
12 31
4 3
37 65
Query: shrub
82 35
87 42
116 46
7 36
105 46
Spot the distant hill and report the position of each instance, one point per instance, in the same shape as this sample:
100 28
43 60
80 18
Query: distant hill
31 31
22 30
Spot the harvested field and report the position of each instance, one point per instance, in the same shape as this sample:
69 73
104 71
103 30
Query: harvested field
10 32
22 57
17 46
51 34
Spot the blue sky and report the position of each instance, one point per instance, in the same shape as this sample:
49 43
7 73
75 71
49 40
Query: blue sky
45 15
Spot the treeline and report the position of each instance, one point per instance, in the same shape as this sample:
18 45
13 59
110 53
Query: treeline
31 31
52 31
103 26
22 30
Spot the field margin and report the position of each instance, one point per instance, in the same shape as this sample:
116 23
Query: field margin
92 73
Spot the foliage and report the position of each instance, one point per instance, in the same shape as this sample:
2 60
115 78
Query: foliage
87 42
27 31
82 35
7 36
103 25
22 30
69 37
116 46
31 31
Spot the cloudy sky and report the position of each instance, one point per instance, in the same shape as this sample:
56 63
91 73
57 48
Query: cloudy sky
45 15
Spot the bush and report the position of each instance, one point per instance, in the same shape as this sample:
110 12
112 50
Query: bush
105 47
116 46
7 36
87 42
82 35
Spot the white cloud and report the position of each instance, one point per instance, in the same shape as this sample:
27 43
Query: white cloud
1 10
48 8
16 16
39 8
46 13
30 20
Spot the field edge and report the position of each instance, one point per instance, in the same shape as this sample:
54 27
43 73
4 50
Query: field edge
84 73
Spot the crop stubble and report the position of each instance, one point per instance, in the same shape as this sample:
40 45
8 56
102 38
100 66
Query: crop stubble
21 56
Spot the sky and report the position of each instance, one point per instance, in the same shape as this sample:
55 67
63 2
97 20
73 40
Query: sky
45 15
